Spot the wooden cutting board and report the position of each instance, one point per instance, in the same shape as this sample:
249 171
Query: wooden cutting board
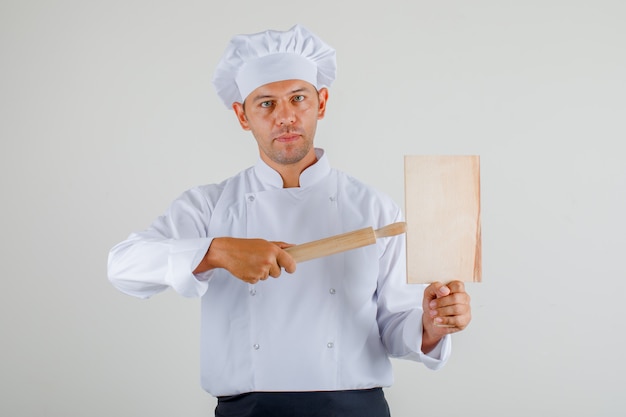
442 207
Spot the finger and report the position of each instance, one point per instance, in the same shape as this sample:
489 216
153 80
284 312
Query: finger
286 261
283 245
458 315
455 309
275 270
435 290
453 304
456 286
434 295
459 322
443 291
444 322
441 322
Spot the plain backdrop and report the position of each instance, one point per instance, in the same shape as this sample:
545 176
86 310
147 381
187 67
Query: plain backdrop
108 114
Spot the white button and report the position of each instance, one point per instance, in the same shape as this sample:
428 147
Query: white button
251 198
332 291
256 346
252 291
330 345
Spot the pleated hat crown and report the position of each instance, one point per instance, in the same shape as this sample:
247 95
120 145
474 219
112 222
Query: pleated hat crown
253 60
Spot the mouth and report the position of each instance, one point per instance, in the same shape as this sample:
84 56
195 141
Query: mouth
287 137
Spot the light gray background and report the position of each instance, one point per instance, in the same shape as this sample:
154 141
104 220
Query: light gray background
107 114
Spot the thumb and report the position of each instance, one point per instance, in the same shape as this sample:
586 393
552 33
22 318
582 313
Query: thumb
285 260
436 290
283 245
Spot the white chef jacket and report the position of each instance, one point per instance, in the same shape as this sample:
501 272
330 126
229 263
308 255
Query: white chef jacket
331 325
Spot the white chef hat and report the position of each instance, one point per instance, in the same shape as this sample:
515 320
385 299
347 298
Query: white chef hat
251 61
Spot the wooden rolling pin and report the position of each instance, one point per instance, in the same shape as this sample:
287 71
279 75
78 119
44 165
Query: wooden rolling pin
343 242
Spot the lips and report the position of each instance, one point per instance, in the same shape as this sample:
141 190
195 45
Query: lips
288 137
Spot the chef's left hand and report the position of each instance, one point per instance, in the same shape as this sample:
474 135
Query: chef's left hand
446 310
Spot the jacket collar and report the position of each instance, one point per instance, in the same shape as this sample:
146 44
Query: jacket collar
272 179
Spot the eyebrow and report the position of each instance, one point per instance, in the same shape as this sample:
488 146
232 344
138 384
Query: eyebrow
263 97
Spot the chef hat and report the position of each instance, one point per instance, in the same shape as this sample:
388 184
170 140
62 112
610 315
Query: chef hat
251 61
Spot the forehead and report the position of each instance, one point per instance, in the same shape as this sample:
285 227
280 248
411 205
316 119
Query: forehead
281 88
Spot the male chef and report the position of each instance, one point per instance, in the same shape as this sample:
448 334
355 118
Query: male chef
280 338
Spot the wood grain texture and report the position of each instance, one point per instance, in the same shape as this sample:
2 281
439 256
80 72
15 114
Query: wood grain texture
343 242
332 245
442 198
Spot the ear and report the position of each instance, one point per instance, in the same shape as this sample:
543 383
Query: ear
241 115
323 99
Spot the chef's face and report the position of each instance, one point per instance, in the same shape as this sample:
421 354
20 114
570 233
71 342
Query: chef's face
283 117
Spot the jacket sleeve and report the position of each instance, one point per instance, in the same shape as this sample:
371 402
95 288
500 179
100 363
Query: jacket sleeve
166 253
400 308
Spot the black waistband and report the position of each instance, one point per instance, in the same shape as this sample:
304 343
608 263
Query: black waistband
350 403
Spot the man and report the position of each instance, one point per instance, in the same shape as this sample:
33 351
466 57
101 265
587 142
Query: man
317 340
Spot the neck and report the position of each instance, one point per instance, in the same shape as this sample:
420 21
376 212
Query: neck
290 173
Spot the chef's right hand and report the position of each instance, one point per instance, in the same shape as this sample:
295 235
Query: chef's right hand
250 260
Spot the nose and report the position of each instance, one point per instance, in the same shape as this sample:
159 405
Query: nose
285 115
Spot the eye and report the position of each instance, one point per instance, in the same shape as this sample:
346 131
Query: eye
266 104
298 98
